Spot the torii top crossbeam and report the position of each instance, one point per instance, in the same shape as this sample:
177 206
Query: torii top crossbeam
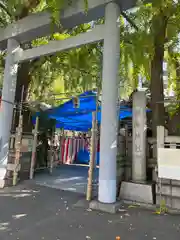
39 24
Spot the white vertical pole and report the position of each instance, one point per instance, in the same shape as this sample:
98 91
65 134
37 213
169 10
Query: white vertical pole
139 137
8 96
108 141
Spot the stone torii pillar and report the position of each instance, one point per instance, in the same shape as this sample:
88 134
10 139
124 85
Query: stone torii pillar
108 139
7 104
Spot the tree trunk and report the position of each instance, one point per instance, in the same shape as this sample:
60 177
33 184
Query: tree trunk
159 26
174 121
177 65
23 77
23 81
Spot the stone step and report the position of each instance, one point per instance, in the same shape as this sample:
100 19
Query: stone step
137 192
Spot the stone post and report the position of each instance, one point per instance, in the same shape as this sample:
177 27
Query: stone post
139 137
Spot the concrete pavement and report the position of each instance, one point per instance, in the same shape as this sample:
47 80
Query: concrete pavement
36 212
67 177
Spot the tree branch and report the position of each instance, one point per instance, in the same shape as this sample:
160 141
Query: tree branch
4 8
2 22
129 20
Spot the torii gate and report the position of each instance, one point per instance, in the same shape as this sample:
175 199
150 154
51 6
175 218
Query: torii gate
38 25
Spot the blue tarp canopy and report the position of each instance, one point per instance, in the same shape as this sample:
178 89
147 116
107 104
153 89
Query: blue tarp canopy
80 119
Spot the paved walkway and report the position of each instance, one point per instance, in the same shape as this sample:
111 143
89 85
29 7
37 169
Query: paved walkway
32 212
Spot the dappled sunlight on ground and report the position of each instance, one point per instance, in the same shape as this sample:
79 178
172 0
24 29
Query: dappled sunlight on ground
67 177
4 226
61 180
20 195
7 192
18 216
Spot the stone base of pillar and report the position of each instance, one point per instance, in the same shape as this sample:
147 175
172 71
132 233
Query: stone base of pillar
105 207
138 192
3 172
6 171
2 184
6 181
98 206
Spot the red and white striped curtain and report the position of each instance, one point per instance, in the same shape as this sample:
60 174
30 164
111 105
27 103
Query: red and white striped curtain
70 146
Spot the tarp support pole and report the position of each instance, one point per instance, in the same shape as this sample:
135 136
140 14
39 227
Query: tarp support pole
33 157
51 164
18 142
92 158
96 120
